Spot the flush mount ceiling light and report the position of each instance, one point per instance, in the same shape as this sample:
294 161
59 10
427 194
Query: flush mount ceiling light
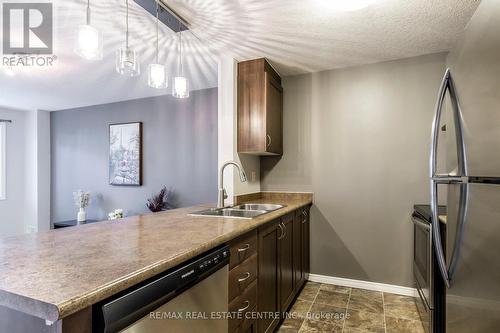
157 73
126 57
346 5
89 40
180 87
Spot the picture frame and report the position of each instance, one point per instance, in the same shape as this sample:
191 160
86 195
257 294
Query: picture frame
125 154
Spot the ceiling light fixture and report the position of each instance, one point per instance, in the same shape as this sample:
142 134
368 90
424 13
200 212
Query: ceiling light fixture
180 86
347 5
157 73
126 58
88 43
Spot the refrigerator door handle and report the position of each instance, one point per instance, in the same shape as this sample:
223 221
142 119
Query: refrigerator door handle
436 235
447 85
436 123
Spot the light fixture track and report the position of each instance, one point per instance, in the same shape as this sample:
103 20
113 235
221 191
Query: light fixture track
167 15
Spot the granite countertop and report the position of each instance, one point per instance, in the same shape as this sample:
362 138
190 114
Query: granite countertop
56 273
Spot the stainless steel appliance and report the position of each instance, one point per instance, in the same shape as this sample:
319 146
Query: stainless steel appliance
190 298
470 102
427 278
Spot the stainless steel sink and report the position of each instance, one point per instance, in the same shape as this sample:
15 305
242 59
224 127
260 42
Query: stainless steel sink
231 213
266 207
245 211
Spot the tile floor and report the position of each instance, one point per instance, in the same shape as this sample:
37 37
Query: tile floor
330 308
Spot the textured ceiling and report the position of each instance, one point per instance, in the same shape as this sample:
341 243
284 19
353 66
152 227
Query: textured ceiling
310 35
298 36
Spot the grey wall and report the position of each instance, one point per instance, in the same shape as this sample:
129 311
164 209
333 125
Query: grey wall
359 139
179 148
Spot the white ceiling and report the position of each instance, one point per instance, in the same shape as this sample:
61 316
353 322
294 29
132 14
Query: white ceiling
298 36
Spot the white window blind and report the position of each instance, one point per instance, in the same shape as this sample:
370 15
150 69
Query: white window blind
3 179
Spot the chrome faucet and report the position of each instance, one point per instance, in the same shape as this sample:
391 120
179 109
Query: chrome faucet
222 192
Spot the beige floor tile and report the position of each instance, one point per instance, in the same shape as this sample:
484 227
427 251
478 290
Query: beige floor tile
319 326
369 301
400 325
397 306
300 308
335 288
364 320
309 291
291 325
328 313
367 293
332 298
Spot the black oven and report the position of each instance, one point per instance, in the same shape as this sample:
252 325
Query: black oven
427 279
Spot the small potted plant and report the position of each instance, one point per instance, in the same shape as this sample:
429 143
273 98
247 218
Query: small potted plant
160 201
82 200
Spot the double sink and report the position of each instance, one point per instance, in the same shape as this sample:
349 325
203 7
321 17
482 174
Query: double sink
244 211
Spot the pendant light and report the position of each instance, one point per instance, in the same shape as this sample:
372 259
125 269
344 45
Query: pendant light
126 58
88 44
157 73
180 86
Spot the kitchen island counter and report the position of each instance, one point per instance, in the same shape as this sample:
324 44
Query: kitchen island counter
54 274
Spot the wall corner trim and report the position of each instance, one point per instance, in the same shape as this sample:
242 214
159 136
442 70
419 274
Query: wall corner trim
375 286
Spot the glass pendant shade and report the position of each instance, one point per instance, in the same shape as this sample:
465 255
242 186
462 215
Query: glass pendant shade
127 63
180 88
89 43
157 76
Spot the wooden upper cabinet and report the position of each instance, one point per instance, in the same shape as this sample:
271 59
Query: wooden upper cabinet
260 109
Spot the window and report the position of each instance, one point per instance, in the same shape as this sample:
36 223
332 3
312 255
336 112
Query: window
3 138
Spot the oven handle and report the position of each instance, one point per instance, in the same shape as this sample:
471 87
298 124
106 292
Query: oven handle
417 221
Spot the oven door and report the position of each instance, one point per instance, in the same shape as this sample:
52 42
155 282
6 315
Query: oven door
422 259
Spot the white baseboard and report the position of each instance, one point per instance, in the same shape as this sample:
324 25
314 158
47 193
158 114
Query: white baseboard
387 288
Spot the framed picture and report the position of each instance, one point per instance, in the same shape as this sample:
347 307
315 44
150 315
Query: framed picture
125 154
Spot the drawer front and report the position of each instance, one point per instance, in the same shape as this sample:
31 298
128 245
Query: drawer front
242 276
249 325
242 249
241 305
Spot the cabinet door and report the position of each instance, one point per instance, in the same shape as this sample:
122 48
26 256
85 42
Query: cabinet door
274 115
287 286
298 250
306 243
268 275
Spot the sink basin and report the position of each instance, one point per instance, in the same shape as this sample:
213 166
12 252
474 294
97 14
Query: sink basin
266 207
244 211
231 213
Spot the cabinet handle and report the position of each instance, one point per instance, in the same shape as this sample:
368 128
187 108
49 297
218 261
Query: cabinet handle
282 232
269 140
304 220
244 248
247 276
245 307
283 229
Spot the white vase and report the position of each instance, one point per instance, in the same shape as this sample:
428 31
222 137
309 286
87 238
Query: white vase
82 216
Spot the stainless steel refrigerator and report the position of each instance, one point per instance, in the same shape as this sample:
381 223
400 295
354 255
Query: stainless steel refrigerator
469 105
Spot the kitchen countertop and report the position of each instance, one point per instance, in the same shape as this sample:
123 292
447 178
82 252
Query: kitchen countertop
54 274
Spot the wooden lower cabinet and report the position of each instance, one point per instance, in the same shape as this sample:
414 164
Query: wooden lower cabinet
286 258
268 276
274 267
301 246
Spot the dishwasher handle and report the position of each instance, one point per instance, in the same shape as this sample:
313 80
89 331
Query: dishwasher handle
114 314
